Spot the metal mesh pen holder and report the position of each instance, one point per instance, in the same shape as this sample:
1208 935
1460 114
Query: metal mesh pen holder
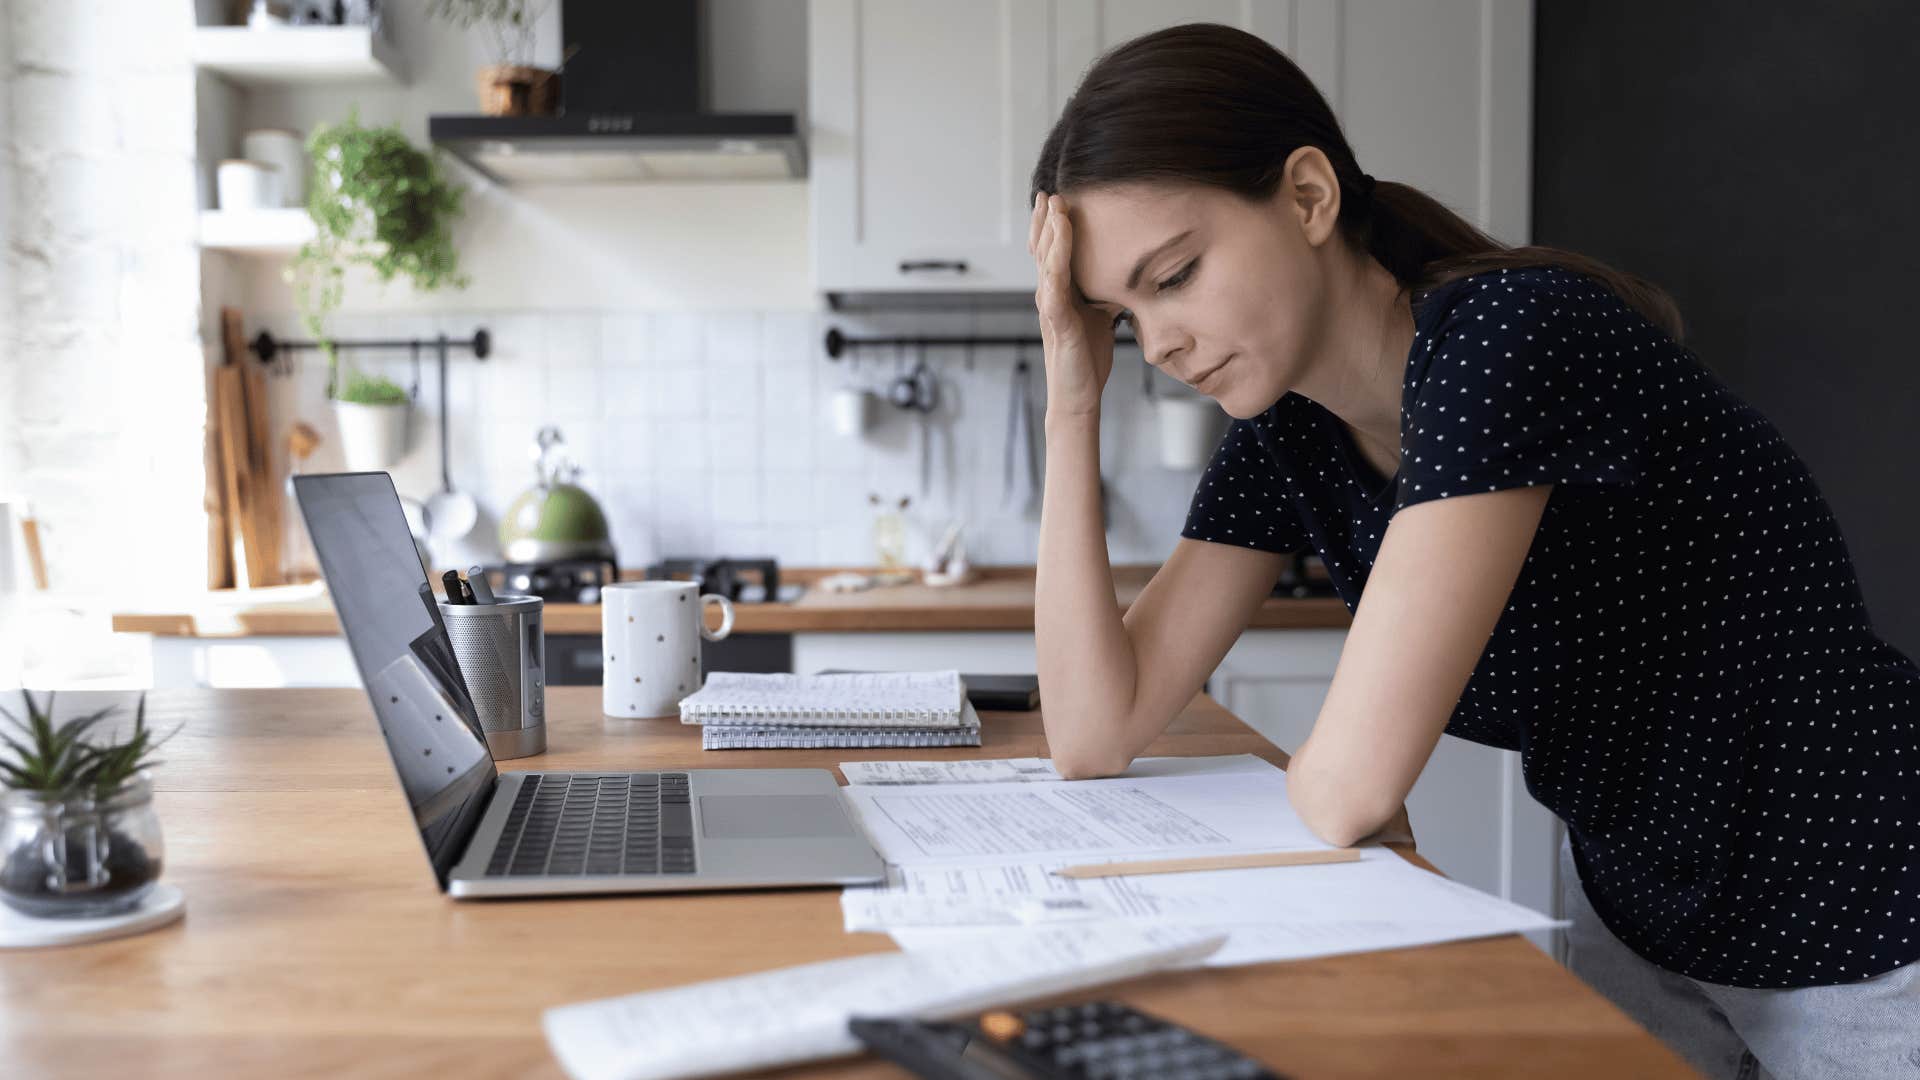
502 654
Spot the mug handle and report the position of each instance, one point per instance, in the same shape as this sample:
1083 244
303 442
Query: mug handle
726 617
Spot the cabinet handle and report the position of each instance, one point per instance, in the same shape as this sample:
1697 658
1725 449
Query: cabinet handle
909 266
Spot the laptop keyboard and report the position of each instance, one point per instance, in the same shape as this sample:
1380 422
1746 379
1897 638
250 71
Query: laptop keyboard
573 825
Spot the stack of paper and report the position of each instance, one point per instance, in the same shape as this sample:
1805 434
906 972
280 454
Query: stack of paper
800 1013
972 861
741 710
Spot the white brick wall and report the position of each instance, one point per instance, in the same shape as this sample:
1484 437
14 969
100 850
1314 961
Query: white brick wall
104 397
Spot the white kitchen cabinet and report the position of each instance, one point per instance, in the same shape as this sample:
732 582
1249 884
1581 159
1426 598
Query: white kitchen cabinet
983 651
261 661
927 117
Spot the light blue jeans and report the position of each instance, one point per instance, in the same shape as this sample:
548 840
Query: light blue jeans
1866 1030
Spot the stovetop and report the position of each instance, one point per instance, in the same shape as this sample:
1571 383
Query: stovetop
741 580
561 581
579 581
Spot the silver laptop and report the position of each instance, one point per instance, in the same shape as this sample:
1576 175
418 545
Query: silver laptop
490 834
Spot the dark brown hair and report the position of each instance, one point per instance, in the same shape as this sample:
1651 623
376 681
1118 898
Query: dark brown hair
1209 104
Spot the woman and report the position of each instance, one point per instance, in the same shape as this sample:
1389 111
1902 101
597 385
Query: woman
1570 539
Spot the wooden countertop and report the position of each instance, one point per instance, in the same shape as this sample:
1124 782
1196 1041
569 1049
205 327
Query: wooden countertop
1002 599
315 942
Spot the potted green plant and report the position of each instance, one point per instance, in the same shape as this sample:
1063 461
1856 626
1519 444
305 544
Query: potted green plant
511 85
78 834
380 203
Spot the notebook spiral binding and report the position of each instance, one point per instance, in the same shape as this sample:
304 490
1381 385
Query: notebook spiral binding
748 714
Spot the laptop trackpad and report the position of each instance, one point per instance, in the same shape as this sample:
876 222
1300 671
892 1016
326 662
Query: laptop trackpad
767 817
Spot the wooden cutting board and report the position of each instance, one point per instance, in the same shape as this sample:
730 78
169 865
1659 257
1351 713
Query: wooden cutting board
249 482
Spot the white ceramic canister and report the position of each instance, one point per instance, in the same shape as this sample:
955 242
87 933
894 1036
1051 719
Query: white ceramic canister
247 185
281 149
852 410
650 635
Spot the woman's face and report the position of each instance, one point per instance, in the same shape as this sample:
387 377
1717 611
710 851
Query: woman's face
1224 294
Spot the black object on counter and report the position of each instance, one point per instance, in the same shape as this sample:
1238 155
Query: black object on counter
722 576
456 591
1095 1039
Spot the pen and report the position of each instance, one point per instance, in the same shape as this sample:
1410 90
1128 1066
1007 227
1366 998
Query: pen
477 581
1210 862
455 595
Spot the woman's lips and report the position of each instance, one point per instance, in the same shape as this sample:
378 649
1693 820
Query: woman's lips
1200 383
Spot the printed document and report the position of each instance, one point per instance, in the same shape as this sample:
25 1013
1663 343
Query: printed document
1269 913
1193 813
800 1013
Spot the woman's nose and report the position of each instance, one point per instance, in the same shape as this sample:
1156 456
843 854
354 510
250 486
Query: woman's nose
1159 347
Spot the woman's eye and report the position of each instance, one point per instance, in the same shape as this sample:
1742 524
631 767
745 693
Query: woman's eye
1179 278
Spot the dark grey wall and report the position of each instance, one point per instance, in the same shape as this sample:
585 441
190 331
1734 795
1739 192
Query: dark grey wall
1761 162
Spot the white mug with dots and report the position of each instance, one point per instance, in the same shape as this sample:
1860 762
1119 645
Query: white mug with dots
650 635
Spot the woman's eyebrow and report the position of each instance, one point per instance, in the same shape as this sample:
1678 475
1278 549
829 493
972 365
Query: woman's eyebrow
1140 267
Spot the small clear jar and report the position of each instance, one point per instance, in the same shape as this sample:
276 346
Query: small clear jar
71 856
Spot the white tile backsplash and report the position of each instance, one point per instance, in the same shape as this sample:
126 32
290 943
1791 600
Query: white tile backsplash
708 433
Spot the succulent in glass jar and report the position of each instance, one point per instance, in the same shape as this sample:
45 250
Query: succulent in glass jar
78 835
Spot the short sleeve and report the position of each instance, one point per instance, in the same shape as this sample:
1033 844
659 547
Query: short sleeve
1242 498
1540 376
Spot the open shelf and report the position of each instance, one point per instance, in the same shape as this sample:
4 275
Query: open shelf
297 54
256 232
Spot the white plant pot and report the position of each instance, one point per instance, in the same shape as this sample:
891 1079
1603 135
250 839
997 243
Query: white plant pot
373 437
1190 427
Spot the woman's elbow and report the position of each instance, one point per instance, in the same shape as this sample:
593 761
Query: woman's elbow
1341 828
1089 765
1340 818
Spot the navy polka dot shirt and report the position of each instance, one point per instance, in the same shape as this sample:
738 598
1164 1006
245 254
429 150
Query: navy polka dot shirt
1685 664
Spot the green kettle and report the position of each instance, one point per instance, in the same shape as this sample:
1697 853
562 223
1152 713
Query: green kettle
555 520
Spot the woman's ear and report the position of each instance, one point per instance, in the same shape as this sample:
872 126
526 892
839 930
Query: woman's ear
1311 190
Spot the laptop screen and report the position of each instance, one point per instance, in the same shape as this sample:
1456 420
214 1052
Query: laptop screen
399 641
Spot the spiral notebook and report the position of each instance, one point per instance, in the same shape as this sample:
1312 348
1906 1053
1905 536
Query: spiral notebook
740 710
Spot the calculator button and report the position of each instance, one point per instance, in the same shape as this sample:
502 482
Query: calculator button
1001 1026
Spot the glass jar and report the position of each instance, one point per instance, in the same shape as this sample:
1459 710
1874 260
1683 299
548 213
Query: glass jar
889 533
71 856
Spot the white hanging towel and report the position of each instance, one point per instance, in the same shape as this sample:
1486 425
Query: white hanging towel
1022 472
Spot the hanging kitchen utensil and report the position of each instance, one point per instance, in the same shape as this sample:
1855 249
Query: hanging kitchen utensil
924 393
413 355
451 515
1019 479
302 441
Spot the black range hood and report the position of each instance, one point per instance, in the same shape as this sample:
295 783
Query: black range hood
631 110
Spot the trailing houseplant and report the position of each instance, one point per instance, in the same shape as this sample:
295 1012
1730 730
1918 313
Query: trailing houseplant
78 835
380 203
511 85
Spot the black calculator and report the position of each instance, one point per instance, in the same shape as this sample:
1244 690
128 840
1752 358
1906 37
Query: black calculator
1098 1040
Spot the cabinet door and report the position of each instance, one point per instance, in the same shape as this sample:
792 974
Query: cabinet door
926 118
1083 29
983 651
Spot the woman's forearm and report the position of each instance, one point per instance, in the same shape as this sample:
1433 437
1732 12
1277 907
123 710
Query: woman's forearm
1084 657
